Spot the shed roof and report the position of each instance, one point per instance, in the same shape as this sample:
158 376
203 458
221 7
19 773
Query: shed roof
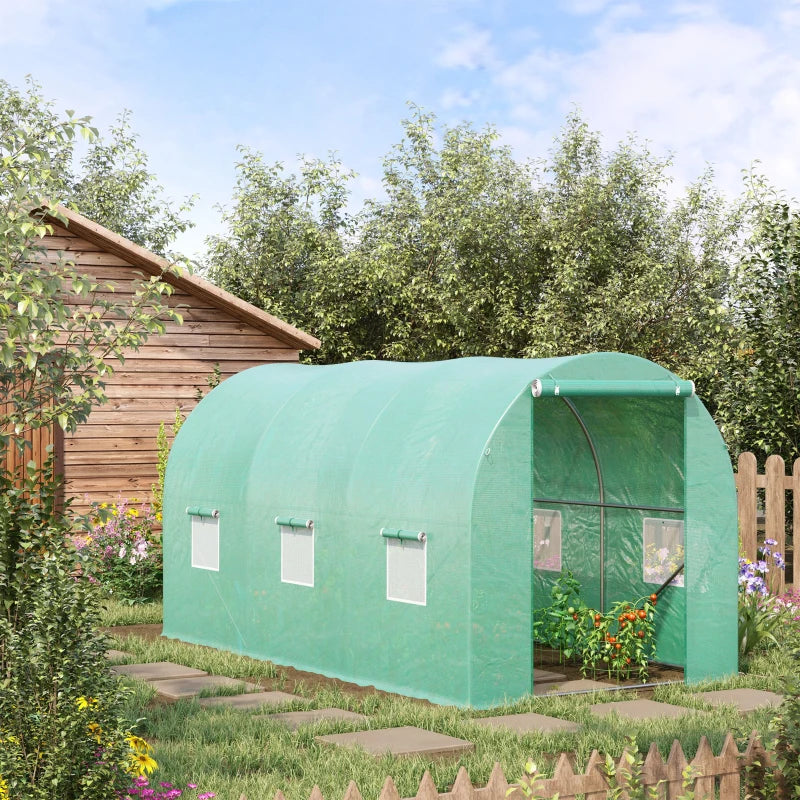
155 265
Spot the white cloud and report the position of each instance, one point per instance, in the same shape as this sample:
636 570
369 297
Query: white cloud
707 89
471 50
455 98
583 7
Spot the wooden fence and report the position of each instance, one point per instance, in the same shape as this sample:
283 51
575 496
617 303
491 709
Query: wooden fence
718 777
775 483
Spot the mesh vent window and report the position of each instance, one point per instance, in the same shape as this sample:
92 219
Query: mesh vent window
205 543
663 550
297 555
547 540
406 571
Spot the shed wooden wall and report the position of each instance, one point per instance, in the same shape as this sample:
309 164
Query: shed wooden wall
114 452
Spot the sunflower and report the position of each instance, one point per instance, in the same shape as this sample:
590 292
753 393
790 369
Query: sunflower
141 763
85 702
137 744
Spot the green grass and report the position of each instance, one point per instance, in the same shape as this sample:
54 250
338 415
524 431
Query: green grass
115 612
235 752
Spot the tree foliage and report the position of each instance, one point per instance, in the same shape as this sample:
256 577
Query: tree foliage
116 189
758 403
286 236
112 185
474 253
62 734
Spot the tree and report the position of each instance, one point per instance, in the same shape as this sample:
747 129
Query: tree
628 270
116 189
285 232
474 253
113 185
759 384
61 727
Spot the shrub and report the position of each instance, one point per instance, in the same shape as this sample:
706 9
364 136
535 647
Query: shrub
62 735
121 552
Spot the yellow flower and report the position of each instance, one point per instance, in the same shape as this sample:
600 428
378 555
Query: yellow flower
141 763
95 730
103 505
158 516
3 789
137 743
86 702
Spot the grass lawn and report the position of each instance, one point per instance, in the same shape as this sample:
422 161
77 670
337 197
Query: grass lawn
233 752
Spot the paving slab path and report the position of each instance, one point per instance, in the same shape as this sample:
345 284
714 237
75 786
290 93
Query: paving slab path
529 723
295 719
249 701
640 709
157 671
191 687
405 741
117 655
746 700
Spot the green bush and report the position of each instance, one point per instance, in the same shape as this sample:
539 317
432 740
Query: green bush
62 735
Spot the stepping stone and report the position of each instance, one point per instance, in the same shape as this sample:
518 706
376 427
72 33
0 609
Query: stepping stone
543 676
294 719
405 741
190 687
582 685
116 655
158 671
248 701
529 723
640 709
745 700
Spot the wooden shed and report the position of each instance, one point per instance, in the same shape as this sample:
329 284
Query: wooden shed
114 452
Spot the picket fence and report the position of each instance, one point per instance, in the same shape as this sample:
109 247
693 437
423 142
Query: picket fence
753 528
718 777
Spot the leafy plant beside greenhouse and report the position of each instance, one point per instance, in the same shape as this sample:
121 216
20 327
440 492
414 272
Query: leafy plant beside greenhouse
120 550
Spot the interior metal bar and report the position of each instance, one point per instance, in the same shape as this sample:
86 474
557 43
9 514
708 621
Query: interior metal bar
601 492
669 580
662 509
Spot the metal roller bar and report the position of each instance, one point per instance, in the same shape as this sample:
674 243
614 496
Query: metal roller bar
663 509
554 387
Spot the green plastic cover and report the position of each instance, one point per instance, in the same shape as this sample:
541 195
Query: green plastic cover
464 452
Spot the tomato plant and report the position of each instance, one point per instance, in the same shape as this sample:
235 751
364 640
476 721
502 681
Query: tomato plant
557 625
620 641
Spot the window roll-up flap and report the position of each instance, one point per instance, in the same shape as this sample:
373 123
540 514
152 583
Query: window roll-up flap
398 533
294 522
202 511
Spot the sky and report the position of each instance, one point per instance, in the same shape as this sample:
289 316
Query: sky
709 82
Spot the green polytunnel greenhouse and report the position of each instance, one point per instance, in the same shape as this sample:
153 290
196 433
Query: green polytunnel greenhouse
399 524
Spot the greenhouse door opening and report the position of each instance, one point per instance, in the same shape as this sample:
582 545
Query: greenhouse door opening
608 505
